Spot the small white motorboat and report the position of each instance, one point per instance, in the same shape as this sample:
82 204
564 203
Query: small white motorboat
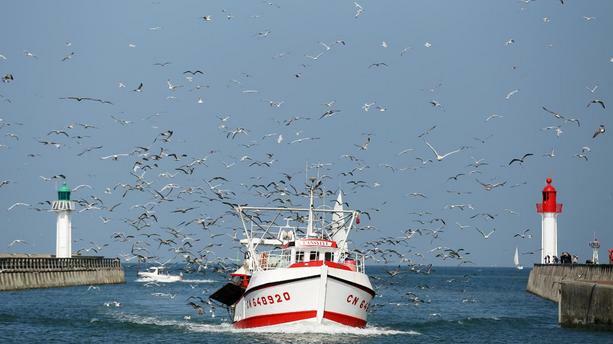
159 274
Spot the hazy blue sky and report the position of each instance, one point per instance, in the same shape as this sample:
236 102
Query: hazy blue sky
555 53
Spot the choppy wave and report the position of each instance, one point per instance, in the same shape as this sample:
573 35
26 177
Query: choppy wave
470 322
292 328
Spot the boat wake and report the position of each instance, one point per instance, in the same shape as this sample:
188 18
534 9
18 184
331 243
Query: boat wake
147 280
320 329
194 281
193 326
199 281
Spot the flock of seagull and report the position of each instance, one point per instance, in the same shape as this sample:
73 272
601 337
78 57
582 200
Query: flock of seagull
181 205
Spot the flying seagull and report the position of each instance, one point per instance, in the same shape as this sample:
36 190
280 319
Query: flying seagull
524 234
316 57
599 131
492 116
8 78
378 64
18 204
88 98
113 156
521 160
489 186
555 114
358 9
364 146
486 236
68 57
18 241
441 157
596 101
510 94
329 113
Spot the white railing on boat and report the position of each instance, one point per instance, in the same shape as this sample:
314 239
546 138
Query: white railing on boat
358 258
274 259
281 258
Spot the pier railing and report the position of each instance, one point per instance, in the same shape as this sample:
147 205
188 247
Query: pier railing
58 264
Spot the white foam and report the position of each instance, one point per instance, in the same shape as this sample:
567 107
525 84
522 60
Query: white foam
146 320
199 281
291 328
304 329
149 280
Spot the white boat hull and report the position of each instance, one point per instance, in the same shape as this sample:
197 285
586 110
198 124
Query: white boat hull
149 277
312 295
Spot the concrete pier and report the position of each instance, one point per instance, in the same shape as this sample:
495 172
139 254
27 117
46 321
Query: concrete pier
21 272
545 279
586 304
584 293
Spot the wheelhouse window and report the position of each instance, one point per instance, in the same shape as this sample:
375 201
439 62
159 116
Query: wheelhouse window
328 256
299 256
314 256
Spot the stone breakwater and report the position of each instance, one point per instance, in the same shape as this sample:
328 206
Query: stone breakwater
545 279
46 272
584 293
586 304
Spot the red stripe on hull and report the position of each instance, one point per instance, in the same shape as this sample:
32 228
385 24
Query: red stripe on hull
344 319
274 319
320 263
282 318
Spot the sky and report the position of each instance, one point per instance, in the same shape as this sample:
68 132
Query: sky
489 66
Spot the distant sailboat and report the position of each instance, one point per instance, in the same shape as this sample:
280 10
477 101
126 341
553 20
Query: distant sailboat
516 260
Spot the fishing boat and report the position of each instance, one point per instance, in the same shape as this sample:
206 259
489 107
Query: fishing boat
158 274
516 260
298 268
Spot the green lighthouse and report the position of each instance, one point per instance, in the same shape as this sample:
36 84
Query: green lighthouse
63 206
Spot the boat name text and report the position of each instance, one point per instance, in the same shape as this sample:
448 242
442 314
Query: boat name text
268 300
354 300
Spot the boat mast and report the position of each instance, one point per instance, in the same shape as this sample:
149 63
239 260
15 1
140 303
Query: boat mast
310 232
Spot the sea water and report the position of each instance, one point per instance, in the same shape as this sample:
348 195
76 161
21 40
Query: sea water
452 304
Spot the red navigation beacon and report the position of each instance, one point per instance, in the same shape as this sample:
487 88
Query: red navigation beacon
549 204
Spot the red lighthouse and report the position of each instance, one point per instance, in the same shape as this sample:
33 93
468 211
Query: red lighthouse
549 210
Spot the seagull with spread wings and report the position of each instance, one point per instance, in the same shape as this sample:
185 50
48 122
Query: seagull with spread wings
596 101
18 241
88 98
441 157
521 160
18 204
113 156
486 236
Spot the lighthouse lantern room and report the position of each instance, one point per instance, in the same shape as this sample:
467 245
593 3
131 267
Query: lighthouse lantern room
549 210
63 206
